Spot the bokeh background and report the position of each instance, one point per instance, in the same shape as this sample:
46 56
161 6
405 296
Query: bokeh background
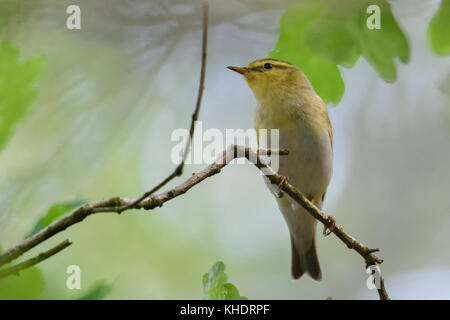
106 100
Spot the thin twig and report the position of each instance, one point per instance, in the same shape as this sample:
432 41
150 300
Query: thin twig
179 169
382 291
35 260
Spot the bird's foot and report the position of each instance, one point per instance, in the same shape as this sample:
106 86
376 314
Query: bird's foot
328 230
284 179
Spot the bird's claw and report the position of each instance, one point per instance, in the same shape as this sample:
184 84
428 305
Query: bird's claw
284 179
328 230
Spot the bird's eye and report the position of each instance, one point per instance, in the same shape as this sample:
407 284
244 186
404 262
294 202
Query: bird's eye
268 65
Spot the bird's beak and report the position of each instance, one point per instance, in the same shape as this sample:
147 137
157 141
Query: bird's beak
239 70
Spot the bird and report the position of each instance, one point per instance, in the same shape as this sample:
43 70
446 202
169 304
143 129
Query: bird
287 101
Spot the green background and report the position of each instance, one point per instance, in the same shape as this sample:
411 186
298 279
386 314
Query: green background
87 114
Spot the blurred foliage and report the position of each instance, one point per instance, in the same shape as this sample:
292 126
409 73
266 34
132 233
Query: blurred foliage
97 292
438 30
16 87
54 212
8 9
341 35
216 287
28 285
318 35
323 73
96 110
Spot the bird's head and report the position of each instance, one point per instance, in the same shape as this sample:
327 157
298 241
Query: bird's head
272 79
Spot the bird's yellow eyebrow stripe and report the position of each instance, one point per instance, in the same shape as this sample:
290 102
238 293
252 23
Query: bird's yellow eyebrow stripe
258 64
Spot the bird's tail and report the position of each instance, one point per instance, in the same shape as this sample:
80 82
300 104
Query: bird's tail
305 261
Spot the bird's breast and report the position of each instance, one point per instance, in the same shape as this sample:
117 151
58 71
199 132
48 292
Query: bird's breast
309 163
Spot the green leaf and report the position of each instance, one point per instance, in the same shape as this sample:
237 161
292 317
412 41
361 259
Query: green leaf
98 292
318 35
335 34
28 285
216 287
381 47
324 75
341 35
232 293
438 30
17 89
54 212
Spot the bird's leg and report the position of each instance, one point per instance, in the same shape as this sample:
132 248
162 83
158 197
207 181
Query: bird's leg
284 179
327 231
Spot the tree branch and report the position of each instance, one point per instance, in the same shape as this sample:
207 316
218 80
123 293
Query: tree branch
365 252
33 261
115 204
179 169
382 291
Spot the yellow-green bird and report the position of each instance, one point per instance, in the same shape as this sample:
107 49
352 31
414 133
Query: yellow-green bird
287 102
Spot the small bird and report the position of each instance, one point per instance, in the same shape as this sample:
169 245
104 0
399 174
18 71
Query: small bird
287 102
